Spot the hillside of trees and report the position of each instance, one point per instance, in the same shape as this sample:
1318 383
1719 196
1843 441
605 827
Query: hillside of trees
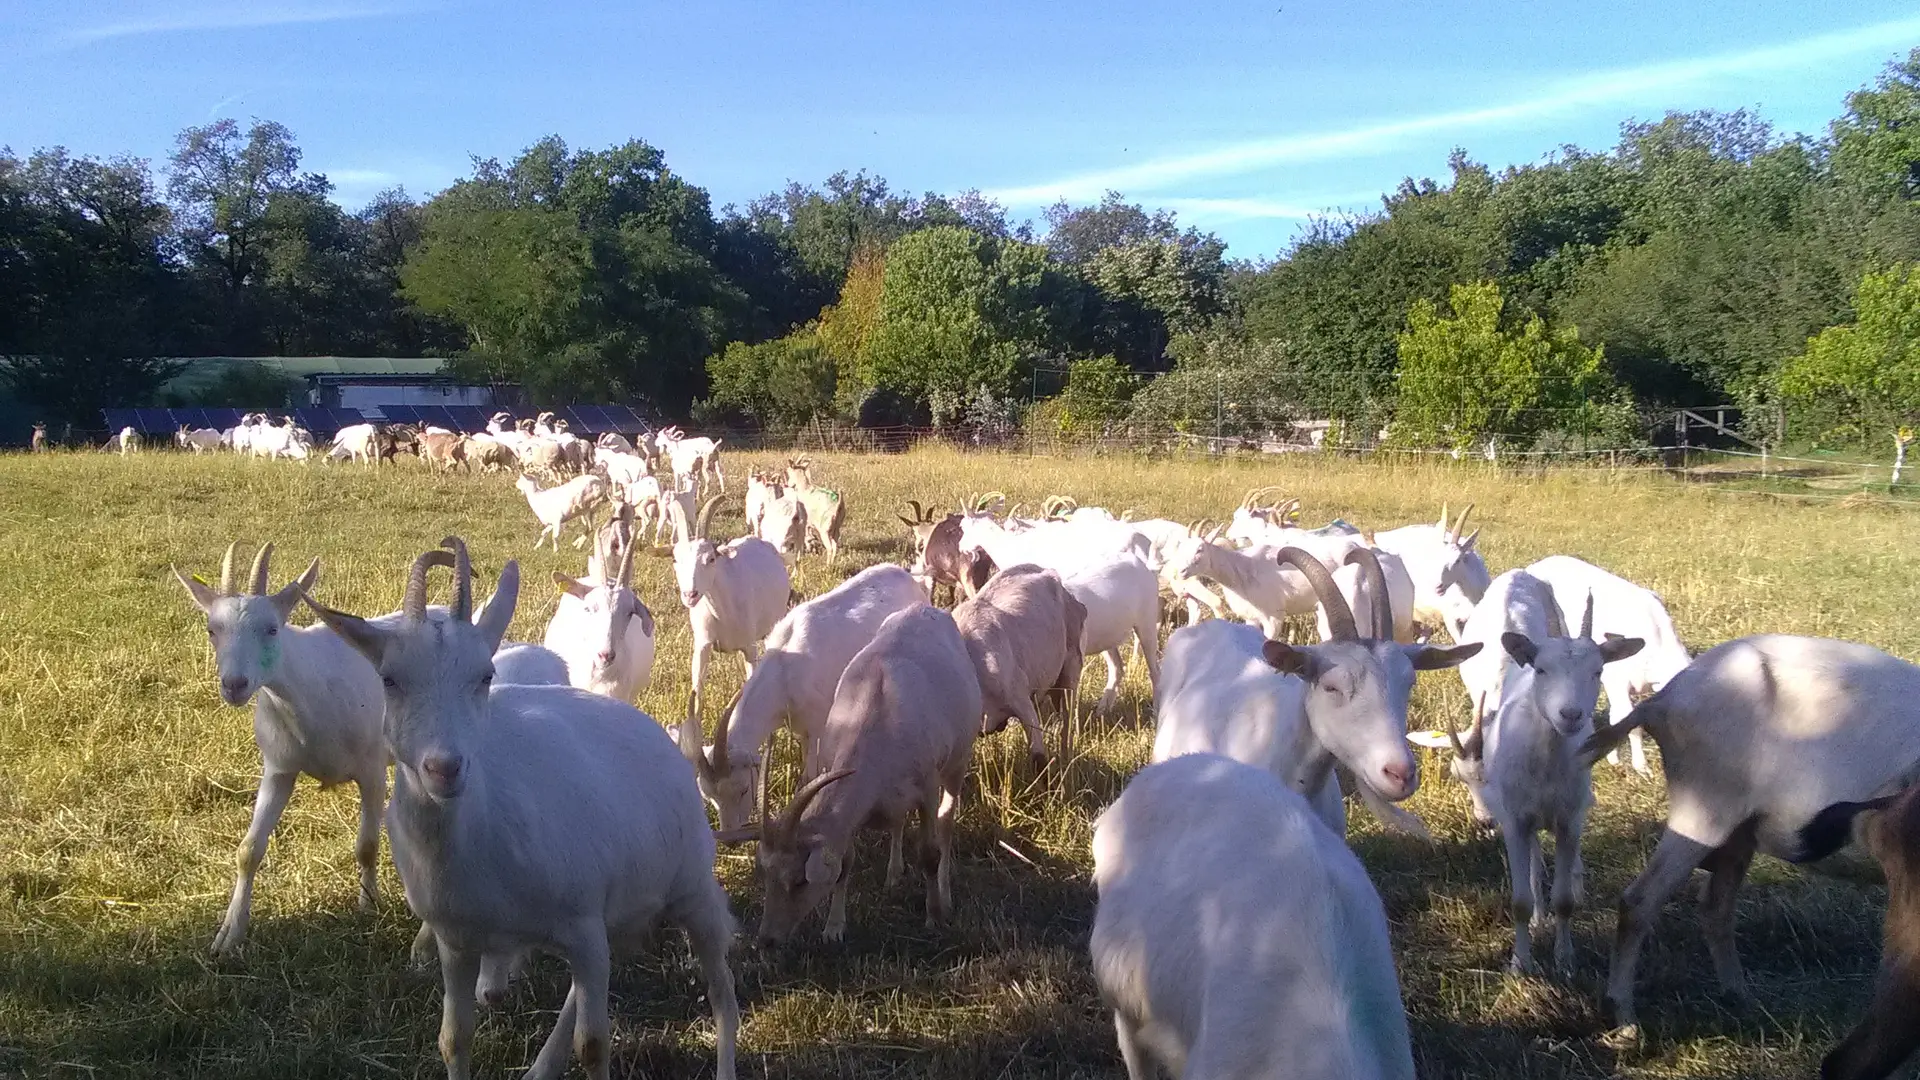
1704 259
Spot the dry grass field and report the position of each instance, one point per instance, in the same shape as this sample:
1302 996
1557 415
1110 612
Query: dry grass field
125 785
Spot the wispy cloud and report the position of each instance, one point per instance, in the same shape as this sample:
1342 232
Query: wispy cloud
1200 209
1622 86
236 16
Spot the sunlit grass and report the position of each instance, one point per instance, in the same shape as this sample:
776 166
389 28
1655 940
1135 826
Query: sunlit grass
125 785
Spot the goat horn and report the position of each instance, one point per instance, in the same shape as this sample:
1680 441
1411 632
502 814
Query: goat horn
720 731
414 607
1477 733
704 520
258 576
1443 520
226 570
790 820
1586 617
1377 585
1453 736
919 515
625 576
1460 523
1339 615
462 578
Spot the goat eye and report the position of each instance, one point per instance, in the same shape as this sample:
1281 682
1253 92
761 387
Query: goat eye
387 681
273 631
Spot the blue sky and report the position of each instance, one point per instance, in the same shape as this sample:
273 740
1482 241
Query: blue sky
1242 117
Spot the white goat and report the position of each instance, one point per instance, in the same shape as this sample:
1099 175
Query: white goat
1620 609
805 654
1163 539
826 511
355 442
1023 632
734 593
1297 710
555 506
522 664
1528 776
1515 602
1237 936
1449 576
604 633
1756 737
1356 588
316 712
127 441
1252 585
198 440
692 459
776 514
535 817
1122 598
898 739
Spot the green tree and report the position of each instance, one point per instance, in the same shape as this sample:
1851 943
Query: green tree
783 383
1860 381
957 312
1463 378
1876 144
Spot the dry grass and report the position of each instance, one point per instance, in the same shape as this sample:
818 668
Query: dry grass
127 785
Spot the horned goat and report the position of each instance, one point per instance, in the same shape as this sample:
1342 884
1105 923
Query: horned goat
897 739
555 506
826 511
535 817
1622 609
734 593
1252 585
1296 710
1515 602
1449 576
937 559
198 440
802 662
1023 632
692 459
604 632
1528 776
1122 600
1235 935
1756 737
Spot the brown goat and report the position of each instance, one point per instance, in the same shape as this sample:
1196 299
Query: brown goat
1023 634
936 548
1890 1031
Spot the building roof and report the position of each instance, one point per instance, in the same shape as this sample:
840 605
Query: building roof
201 370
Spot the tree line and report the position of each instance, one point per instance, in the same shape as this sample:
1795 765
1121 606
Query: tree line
1705 258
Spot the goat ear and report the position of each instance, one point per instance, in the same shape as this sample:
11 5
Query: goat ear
203 594
367 639
822 865
1520 647
571 586
288 597
1619 648
1435 657
497 611
1288 660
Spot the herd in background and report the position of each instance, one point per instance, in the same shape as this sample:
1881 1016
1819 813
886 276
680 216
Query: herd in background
533 757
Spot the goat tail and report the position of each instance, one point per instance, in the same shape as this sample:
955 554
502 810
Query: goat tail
1606 739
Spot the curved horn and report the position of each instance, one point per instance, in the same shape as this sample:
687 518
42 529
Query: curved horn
1460 523
226 570
414 607
1453 736
625 576
1586 618
704 520
1377 585
790 819
258 575
1339 615
1443 520
1477 736
720 731
462 578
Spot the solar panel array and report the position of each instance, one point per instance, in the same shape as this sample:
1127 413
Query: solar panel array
581 419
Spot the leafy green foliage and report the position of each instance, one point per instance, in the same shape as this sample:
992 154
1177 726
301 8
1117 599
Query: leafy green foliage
1463 378
782 383
1860 381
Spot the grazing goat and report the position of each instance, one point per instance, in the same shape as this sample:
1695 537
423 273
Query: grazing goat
1235 935
316 711
603 632
776 514
1756 737
1297 710
898 739
825 511
355 442
534 817
1621 609
555 506
489 453
444 449
1887 1035
1252 585
734 593
1449 576
805 654
1122 599
1528 776
937 559
1023 632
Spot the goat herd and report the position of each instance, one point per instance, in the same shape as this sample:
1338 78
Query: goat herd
1236 934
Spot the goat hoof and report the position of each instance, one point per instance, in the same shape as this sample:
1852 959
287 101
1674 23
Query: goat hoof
1516 966
1624 1038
